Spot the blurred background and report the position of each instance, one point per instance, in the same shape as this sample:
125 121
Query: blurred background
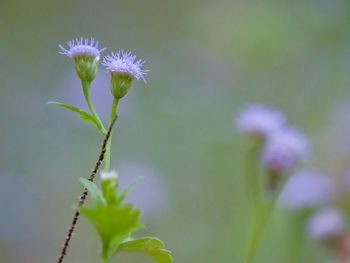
207 59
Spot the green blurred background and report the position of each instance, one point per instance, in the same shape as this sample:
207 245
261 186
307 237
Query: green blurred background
207 59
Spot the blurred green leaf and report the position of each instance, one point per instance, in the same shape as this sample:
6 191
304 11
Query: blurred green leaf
82 114
149 245
95 192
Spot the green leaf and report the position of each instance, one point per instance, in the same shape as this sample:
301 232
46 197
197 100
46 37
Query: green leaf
130 186
149 245
95 192
113 223
82 114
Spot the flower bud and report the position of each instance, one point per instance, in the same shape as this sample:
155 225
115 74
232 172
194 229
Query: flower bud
283 150
109 183
124 67
86 55
307 189
259 121
326 225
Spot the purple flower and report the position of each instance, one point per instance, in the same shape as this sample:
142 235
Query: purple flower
82 47
326 224
125 62
307 189
259 120
283 149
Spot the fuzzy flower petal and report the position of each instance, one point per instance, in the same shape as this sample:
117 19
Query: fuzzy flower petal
326 224
125 62
259 120
109 175
307 189
82 47
283 149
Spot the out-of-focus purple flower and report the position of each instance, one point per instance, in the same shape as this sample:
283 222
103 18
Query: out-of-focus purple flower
125 62
283 149
307 189
82 47
259 120
326 224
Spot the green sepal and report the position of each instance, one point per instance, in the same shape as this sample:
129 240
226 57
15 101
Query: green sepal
149 245
120 84
94 191
82 114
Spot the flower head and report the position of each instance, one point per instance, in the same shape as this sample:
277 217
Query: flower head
124 67
259 120
307 189
86 55
82 47
109 175
326 224
283 149
125 62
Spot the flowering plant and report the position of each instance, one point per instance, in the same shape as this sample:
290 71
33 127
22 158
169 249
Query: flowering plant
113 219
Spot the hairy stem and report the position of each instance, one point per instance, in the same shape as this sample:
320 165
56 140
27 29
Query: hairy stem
114 112
84 194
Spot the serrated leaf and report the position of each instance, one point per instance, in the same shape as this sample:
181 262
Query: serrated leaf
113 224
95 192
82 114
149 245
130 186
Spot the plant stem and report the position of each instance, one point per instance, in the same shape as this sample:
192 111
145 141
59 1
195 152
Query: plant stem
84 194
253 186
113 115
262 213
251 174
296 236
257 229
86 90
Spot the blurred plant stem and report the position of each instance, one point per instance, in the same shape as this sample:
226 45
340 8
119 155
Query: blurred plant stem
253 186
296 236
251 174
260 219
261 208
113 115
